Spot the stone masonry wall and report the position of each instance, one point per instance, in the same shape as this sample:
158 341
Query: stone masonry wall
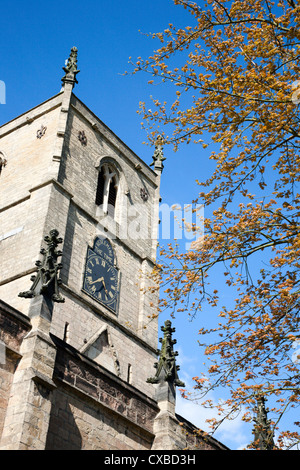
196 439
24 195
19 252
13 327
85 321
93 410
28 157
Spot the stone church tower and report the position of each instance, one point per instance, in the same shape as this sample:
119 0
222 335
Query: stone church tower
78 224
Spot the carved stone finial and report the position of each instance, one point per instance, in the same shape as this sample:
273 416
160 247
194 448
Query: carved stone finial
71 68
46 280
263 434
166 368
158 156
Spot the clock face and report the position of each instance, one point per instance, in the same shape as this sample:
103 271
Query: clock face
101 280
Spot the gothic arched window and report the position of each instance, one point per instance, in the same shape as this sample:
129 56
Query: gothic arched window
107 187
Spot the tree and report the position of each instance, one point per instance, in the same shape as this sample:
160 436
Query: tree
235 74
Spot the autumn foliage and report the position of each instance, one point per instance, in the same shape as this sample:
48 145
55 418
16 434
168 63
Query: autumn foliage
235 72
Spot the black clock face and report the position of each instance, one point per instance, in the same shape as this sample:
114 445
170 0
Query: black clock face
101 280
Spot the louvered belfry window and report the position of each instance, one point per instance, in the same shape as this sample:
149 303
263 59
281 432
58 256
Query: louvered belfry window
100 188
107 187
112 197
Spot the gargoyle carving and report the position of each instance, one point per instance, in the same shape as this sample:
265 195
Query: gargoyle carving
46 280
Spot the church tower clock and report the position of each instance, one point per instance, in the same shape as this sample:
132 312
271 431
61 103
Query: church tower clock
101 277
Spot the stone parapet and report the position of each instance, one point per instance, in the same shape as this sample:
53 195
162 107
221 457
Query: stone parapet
89 378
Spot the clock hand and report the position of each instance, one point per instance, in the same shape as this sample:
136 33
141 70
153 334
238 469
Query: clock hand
104 286
100 279
97 280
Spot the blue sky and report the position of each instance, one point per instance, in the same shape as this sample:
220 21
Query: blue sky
36 39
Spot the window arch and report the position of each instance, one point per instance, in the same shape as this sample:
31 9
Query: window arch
107 188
